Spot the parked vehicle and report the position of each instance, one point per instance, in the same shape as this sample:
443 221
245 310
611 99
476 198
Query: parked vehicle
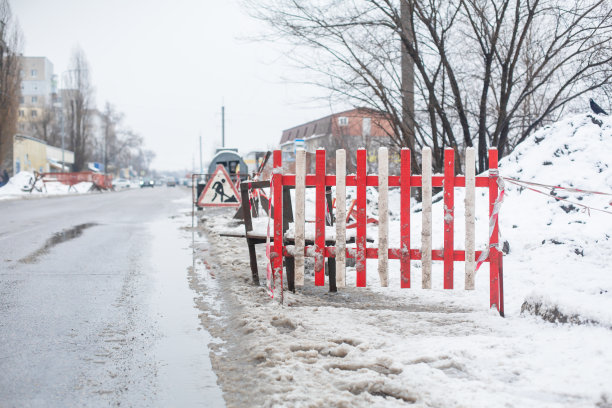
147 183
121 183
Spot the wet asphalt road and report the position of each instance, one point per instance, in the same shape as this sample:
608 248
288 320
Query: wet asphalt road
95 306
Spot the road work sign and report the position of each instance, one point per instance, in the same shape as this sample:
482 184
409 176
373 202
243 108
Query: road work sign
219 191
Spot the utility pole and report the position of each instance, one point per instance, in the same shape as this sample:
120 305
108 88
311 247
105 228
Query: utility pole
106 125
223 126
407 68
201 166
63 133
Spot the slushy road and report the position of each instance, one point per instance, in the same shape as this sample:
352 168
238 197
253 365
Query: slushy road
95 304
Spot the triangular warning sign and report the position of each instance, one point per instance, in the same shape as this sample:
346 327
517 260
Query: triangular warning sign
219 191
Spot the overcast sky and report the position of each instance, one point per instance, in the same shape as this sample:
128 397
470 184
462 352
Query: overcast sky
170 65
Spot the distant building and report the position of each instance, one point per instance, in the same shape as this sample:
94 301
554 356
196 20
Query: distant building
38 87
349 130
31 154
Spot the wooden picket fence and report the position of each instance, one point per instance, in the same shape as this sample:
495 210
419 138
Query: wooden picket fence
405 181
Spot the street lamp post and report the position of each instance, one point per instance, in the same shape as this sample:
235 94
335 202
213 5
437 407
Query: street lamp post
58 106
63 132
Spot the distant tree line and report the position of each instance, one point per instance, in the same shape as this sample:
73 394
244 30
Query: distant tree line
10 84
92 135
481 73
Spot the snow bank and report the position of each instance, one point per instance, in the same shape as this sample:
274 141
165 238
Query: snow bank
20 185
561 252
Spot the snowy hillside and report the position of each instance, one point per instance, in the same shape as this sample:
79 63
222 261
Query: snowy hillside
560 252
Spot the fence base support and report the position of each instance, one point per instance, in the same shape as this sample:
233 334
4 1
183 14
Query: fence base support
290 268
253 261
331 266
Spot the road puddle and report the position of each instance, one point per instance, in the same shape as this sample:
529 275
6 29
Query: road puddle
57 238
185 376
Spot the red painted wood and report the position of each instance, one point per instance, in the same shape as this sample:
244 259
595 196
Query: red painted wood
394 181
360 240
405 219
494 238
394 253
320 218
277 182
449 215
405 181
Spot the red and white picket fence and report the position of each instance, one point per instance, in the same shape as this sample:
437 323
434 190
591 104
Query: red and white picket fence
383 253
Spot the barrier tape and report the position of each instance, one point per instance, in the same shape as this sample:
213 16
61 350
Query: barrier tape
570 189
525 184
251 197
493 218
269 274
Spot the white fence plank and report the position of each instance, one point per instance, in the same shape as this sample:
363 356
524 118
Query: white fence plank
426 214
470 224
383 216
340 218
300 186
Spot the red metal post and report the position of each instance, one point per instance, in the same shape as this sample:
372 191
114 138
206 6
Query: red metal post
320 218
360 262
449 215
405 218
494 237
277 183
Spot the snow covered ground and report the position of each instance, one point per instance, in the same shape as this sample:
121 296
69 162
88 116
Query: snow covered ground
19 186
392 347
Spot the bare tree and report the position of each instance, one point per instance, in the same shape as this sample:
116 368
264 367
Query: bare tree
10 91
47 127
78 105
117 143
141 160
486 72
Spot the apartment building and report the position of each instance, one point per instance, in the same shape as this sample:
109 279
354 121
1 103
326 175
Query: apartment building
38 87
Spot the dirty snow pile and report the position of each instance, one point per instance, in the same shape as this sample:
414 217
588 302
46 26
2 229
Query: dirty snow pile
20 185
374 346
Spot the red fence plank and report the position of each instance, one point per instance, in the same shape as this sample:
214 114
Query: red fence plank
494 237
394 253
449 215
360 202
320 219
405 219
394 181
277 182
